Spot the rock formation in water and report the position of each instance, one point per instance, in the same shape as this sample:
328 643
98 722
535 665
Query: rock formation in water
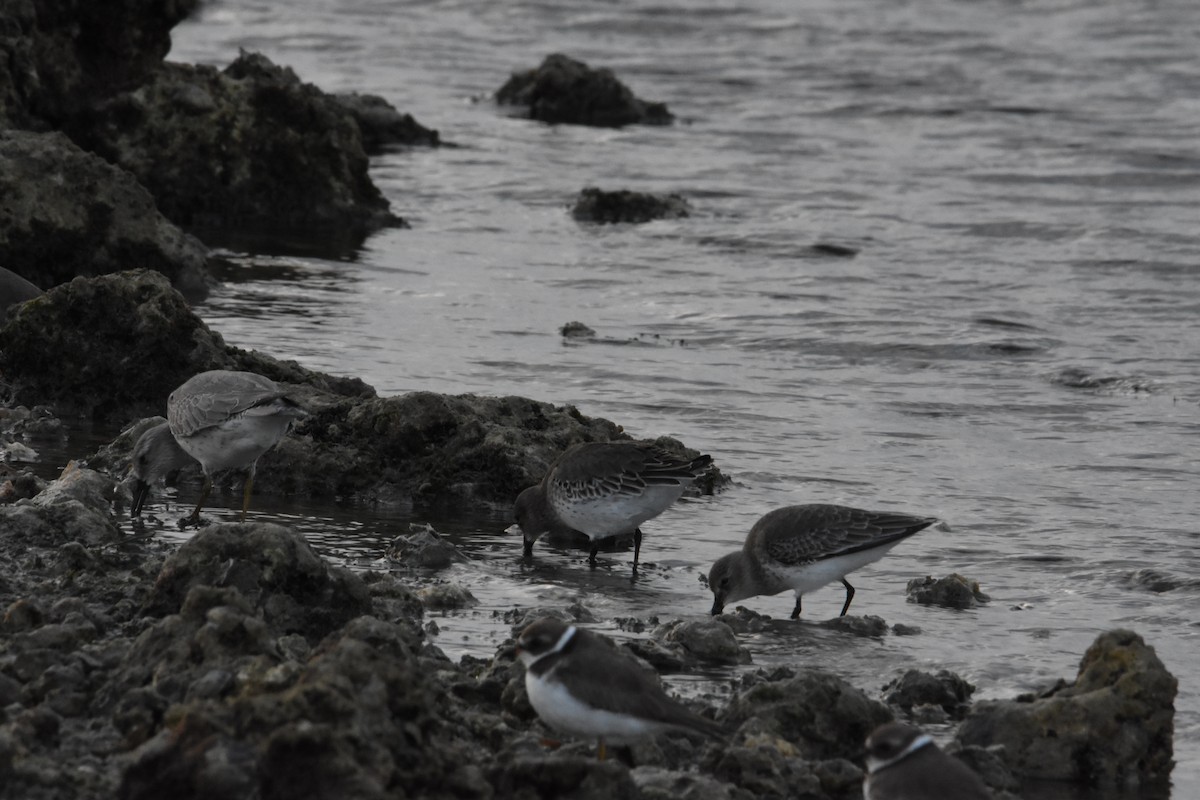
563 90
1112 728
596 205
67 212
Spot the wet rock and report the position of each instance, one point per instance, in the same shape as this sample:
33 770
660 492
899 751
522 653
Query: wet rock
563 90
250 146
1112 727
21 485
835 250
447 596
867 625
519 619
273 568
382 125
656 783
821 715
576 330
59 56
92 219
988 763
743 620
596 205
116 345
770 770
707 641
952 591
943 689
566 776
423 548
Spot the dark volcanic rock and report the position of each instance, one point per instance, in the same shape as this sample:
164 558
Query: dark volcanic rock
820 714
952 591
563 90
565 776
916 688
67 213
597 205
1111 728
708 641
382 125
116 345
424 548
248 147
58 56
287 584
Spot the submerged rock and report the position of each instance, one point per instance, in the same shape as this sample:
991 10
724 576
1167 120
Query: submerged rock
596 205
14 289
952 591
250 146
1110 729
67 213
563 90
424 548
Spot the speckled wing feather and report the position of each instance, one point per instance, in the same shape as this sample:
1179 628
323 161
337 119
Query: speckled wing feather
605 469
804 534
211 398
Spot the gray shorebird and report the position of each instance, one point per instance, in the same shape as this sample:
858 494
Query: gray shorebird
155 455
224 420
581 684
802 548
604 489
905 764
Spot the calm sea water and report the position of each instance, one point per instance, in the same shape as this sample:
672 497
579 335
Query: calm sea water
1014 347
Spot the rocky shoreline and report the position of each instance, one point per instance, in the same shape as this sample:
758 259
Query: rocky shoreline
241 664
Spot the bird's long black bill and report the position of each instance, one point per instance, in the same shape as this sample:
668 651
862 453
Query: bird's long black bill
717 608
141 491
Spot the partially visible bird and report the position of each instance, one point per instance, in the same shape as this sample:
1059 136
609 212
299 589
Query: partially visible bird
224 420
581 684
805 547
155 456
604 489
905 764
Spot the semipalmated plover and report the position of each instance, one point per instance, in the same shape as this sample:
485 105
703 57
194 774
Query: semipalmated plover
224 420
604 489
805 547
905 764
581 684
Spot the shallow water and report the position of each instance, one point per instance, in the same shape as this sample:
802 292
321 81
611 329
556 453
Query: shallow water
1013 348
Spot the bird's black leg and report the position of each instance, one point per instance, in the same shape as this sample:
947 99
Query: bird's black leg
194 518
595 549
637 545
796 610
849 596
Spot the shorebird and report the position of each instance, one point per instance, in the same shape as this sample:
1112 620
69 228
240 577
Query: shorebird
604 489
224 420
581 684
155 456
805 547
905 764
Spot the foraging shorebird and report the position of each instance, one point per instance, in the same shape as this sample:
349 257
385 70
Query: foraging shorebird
604 489
905 764
224 420
581 684
802 548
